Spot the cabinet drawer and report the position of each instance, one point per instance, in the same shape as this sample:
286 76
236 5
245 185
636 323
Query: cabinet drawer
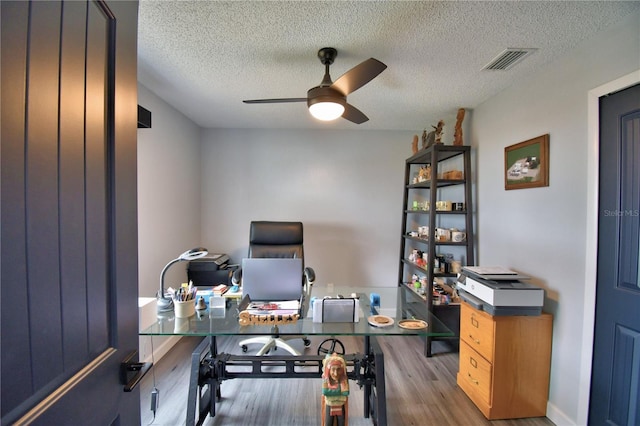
477 329
476 371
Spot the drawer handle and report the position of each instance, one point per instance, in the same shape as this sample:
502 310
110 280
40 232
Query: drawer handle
472 380
473 363
474 339
474 322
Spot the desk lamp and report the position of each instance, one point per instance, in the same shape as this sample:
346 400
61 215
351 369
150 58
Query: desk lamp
165 304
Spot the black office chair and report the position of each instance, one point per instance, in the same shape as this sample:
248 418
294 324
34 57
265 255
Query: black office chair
277 240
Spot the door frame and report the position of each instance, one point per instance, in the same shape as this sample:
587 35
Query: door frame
591 234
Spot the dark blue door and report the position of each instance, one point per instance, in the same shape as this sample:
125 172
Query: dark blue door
68 204
615 381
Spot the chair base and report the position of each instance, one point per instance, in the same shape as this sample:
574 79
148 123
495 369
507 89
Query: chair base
270 342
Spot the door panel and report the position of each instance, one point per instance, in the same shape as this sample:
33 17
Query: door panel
73 278
96 88
69 249
41 191
615 384
15 317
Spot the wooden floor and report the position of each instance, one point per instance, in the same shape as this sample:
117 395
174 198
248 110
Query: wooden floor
420 391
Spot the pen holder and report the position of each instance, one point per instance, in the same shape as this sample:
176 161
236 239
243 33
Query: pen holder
184 309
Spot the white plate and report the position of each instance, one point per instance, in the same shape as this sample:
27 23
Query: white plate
380 320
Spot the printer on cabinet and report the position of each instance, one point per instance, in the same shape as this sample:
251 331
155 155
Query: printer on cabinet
499 291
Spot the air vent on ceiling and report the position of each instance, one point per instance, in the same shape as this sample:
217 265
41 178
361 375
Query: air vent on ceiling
508 59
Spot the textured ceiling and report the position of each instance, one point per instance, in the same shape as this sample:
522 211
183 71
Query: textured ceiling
205 57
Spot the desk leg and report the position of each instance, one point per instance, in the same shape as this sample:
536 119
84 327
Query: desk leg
380 390
375 395
205 402
367 386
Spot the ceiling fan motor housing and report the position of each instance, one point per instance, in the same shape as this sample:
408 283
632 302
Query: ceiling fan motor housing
325 94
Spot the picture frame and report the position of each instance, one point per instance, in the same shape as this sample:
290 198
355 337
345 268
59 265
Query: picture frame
526 164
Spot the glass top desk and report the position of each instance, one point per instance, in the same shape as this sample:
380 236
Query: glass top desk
210 368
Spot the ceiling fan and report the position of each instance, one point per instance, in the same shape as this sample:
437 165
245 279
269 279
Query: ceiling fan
328 101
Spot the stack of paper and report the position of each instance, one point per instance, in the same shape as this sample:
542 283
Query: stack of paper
219 290
285 307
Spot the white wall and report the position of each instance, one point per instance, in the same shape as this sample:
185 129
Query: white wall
345 186
168 198
541 231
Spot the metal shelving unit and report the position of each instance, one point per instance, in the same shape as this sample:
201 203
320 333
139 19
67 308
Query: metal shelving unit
445 162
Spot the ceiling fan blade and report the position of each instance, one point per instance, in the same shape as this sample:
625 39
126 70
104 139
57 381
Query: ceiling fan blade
274 101
358 76
353 114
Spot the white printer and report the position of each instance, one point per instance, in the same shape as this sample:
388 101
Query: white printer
499 291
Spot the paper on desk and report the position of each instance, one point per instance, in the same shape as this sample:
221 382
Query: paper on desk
285 307
273 312
278 305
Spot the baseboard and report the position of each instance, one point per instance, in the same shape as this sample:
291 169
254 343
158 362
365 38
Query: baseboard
558 417
161 345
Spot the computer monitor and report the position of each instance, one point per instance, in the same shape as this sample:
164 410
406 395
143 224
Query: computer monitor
272 279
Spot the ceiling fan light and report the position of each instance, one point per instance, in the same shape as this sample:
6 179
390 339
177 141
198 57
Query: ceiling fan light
326 111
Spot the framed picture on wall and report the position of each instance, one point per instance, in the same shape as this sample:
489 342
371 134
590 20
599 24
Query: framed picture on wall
526 164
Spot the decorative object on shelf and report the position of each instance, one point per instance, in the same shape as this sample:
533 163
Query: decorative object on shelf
458 236
414 144
335 390
424 174
438 132
453 175
443 206
429 139
443 235
457 133
526 164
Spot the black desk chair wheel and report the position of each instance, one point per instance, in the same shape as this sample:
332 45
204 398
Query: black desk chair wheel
330 346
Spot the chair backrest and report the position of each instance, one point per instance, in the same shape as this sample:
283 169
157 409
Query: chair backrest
276 239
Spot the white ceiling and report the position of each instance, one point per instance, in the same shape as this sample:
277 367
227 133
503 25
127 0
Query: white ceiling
205 57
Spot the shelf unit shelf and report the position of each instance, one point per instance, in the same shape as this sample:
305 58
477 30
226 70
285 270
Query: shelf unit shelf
433 189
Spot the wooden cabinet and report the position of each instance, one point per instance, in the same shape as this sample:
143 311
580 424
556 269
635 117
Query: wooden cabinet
437 199
505 363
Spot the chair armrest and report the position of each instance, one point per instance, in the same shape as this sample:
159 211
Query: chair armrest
236 278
